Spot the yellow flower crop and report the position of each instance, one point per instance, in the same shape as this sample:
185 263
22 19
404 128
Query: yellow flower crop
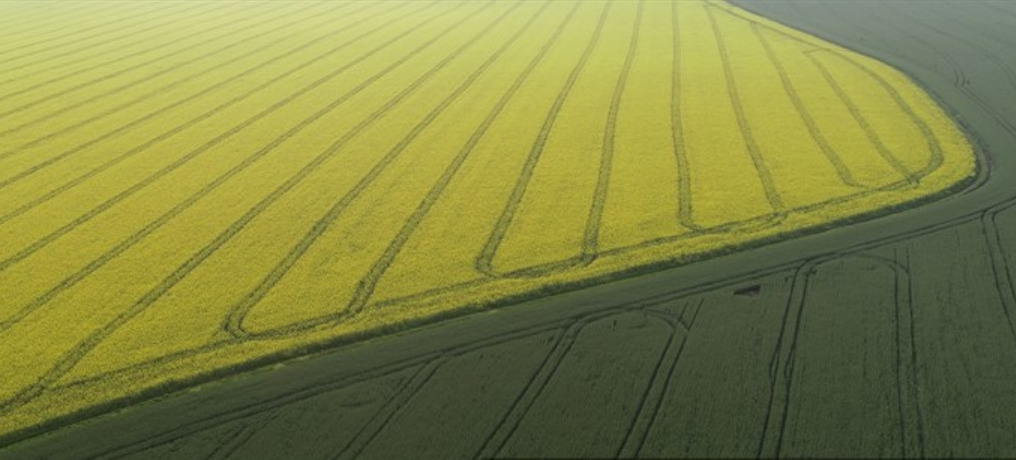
187 188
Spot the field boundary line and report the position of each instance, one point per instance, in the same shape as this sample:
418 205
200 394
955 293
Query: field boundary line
255 409
74 355
511 335
649 301
741 225
417 361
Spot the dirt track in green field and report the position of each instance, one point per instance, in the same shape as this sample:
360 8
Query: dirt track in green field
894 337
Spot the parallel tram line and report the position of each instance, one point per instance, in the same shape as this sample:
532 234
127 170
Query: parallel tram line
643 303
91 59
782 359
655 242
995 6
62 109
234 320
651 398
660 384
728 227
203 116
43 18
935 148
684 197
512 418
410 388
70 359
127 127
241 436
662 240
131 450
792 266
56 17
762 170
473 140
365 287
834 158
190 353
411 365
484 261
530 393
917 406
668 297
27 19
145 11
1000 266
861 121
151 227
909 391
590 247
782 368
169 70
963 82
591 236
590 239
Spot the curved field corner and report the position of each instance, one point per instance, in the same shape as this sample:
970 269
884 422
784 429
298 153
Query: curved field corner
192 188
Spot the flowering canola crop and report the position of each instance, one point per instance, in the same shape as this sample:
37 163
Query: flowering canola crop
188 188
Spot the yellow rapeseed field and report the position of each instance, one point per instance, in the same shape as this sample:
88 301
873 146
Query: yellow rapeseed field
190 187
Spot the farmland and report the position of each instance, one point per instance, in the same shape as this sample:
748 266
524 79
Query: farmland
183 196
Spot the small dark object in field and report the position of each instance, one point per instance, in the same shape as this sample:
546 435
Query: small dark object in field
750 291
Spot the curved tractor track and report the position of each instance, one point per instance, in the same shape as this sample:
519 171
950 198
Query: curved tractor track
894 337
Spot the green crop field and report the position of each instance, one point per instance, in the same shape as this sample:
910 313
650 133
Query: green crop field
698 222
